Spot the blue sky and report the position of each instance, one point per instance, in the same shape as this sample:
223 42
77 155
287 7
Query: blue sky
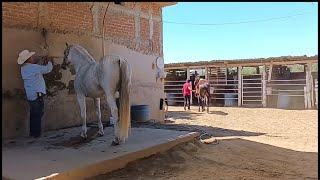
293 36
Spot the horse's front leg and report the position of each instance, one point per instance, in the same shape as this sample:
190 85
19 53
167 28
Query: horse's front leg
98 112
82 103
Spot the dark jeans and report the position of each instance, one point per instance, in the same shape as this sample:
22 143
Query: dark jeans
36 113
187 101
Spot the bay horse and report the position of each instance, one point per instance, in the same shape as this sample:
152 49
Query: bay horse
95 79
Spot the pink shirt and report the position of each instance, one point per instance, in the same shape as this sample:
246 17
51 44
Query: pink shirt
186 90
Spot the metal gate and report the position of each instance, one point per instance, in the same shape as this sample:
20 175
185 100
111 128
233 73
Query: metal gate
251 90
173 84
222 89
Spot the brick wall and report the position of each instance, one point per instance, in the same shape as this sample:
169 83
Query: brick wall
20 14
70 16
81 18
145 6
118 24
156 10
144 29
156 36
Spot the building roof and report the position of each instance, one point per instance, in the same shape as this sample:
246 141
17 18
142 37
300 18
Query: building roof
257 61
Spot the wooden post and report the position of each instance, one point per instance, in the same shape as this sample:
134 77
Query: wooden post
305 97
268 91
206 73
258 70
239 86
307 89
264 87
270 72
312 91
308 84
188 72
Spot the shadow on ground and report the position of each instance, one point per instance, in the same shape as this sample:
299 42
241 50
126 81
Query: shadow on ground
188 115
218 113
230 159
212 131
77 141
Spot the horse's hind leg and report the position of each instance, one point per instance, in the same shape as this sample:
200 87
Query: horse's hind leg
98 112
114 117
208 101
199 101
82 103
203 104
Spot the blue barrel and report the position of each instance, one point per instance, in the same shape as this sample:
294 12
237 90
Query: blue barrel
229 100
140 113
283 101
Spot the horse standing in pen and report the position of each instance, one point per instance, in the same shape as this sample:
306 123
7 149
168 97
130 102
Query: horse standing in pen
95 79
203 94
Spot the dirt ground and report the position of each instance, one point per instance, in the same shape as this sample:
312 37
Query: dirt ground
253 143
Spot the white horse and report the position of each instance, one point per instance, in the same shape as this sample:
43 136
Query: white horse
94 79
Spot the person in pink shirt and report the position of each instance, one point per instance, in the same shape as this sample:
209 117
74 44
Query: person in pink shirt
186 90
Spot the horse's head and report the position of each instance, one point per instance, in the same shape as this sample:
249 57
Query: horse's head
66 61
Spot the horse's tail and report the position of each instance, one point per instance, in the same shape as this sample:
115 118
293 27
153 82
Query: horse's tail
208 90
124 111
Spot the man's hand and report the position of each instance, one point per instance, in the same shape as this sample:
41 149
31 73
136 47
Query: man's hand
47 60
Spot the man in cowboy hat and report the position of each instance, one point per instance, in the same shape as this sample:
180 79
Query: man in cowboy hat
35 87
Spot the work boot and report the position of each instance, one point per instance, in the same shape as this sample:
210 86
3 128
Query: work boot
184 108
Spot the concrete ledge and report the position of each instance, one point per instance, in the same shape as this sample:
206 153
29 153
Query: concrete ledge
120 162
35 161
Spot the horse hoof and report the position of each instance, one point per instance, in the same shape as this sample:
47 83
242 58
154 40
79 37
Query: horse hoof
83 135
114 143
101 133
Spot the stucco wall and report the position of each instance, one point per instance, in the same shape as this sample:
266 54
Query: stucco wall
61 108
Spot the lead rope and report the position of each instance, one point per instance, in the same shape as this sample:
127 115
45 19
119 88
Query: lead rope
212 140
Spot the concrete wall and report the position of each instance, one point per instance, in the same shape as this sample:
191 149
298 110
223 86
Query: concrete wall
128 34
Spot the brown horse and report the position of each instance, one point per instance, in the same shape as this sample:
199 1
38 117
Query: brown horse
203 93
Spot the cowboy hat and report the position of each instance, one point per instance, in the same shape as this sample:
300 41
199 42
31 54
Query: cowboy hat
24 55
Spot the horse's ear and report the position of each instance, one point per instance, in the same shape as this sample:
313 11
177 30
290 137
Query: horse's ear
67 44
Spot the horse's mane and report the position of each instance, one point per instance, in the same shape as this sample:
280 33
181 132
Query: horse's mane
83 52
